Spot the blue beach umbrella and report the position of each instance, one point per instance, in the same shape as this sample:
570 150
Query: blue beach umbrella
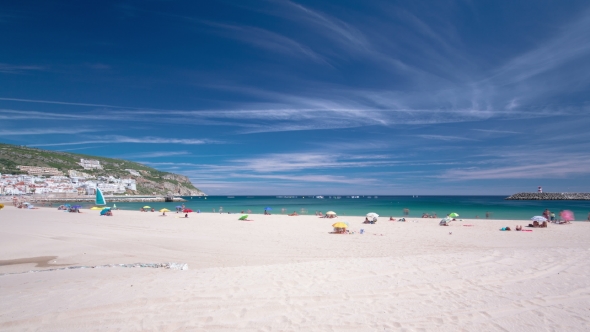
267 208
104 211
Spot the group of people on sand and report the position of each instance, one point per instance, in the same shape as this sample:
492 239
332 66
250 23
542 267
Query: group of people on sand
147 210
426 215
371 221
535 224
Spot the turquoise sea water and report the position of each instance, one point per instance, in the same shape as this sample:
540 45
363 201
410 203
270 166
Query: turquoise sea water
385 206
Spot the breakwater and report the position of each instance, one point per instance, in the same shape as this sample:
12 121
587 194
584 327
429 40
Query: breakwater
550 196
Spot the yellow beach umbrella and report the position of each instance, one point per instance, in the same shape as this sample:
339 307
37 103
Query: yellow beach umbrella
97 208
164 210
147 207
340 225
331 213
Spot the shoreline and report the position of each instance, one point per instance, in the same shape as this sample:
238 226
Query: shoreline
336 219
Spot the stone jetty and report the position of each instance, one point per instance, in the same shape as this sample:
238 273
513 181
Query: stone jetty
550 196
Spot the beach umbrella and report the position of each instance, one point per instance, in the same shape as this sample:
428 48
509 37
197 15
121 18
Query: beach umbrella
178 206
244 217
340 225
147 207
67 205
104 211
164 210
187 210
268 208
539 218
1 206
453 215
76 206
331 213
372 215
27 203
96 208
567 215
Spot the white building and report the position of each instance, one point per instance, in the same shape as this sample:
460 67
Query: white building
90 164
133 172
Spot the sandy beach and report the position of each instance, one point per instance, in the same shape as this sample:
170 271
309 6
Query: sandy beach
281 273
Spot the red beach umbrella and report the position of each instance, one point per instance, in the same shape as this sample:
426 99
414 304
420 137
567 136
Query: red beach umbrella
187 210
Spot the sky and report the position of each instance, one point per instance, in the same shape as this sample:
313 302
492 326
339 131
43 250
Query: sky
277 97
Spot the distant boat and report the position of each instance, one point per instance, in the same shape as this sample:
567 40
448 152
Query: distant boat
99 198
320 197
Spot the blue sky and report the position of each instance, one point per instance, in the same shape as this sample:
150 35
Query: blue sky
308 97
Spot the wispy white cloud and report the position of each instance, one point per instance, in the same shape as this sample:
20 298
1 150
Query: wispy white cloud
18 69
114 139
157 154
268 40
493 131
445 138
310 178
46 131
555 169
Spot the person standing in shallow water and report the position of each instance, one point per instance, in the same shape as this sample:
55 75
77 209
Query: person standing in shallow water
406 211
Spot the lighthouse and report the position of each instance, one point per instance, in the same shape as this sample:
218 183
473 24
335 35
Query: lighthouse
540 189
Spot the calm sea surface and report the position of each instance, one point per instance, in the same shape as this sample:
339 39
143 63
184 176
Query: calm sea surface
465 206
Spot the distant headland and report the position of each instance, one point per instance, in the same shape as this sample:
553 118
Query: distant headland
550 196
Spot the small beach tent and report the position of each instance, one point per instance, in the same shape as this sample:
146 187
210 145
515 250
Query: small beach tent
99 200
445 221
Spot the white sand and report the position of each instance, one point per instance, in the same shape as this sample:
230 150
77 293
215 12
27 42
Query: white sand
281 273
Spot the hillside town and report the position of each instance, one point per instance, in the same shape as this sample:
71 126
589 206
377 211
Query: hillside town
49 180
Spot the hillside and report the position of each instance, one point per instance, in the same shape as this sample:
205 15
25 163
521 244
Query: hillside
150 180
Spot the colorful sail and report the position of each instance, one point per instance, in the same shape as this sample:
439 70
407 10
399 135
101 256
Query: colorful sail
100 198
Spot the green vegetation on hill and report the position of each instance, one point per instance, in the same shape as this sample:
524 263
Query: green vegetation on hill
150 181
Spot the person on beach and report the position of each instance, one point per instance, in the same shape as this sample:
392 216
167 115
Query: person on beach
163 213
546 214
406 211
293 214
153 210
487 215
588 216
552 216
186 215
505 228
519 227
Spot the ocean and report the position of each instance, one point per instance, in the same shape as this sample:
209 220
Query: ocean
466 206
